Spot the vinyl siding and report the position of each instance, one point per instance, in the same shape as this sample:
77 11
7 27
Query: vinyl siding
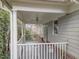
69 31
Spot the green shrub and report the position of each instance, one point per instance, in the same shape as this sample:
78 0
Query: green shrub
4 27
28 35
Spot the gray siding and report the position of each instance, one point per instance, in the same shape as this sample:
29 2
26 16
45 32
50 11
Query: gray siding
69 31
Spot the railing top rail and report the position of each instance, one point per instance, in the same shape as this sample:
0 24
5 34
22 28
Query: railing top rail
43 43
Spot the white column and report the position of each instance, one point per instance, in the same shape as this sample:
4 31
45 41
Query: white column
13 27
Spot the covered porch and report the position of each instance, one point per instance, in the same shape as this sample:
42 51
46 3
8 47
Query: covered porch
48 47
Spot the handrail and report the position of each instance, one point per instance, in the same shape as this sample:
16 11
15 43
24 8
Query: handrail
43 43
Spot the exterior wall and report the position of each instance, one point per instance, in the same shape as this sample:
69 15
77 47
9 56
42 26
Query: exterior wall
69 31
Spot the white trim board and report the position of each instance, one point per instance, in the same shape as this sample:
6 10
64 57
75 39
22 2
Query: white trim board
39 9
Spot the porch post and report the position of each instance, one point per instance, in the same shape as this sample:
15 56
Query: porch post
13 23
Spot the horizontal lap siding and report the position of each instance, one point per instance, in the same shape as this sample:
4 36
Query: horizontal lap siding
69 31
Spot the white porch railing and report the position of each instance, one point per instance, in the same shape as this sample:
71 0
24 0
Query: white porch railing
42 51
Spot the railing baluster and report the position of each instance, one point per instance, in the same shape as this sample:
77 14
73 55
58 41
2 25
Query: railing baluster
57 51
26 51
52 52
33 53
23 52
44 51
65 52
62 51
38 52
49 49
41 52
47 52
29 51
20 52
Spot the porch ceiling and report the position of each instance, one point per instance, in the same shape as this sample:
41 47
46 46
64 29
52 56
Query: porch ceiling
49 10
46 10
30 17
